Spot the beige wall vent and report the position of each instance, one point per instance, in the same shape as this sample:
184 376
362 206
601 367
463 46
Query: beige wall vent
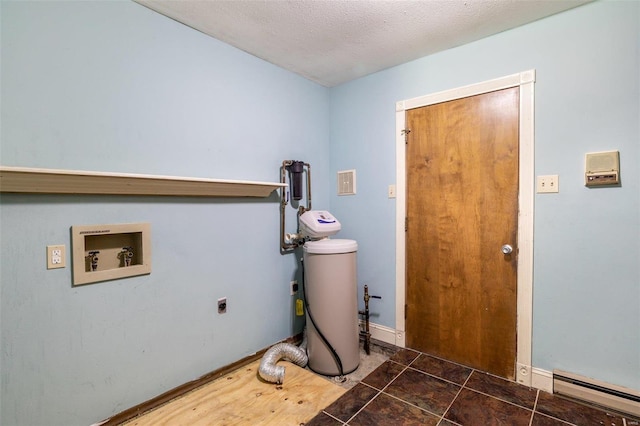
347 182
602 168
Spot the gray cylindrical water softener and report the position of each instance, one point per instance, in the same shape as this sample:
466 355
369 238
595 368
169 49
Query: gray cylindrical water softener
331 293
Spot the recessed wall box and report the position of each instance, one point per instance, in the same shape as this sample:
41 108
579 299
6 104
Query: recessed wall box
602 168
109 252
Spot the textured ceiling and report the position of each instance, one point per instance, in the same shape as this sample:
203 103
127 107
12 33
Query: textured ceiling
332 42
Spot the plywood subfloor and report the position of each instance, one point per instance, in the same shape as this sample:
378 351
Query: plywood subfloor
242 398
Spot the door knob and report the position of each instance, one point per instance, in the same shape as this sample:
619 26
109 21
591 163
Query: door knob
507 249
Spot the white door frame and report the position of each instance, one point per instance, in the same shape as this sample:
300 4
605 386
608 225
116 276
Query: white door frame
525 81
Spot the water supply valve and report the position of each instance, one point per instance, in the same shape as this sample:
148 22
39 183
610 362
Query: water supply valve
295 239
126 255
366 333
93 260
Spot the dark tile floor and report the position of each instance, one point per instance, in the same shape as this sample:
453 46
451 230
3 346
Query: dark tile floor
413 388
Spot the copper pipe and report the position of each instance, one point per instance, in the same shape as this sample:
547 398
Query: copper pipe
284 247
365 313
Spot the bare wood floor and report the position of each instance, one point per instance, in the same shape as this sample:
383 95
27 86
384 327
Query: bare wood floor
242 398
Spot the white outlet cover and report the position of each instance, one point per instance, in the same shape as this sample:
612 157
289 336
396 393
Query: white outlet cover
56 257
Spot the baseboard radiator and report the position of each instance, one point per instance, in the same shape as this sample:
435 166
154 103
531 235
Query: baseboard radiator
594 391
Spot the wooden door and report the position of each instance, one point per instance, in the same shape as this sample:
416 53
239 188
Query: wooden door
462 207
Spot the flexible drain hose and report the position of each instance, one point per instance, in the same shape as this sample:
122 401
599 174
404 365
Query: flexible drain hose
335 355
273 373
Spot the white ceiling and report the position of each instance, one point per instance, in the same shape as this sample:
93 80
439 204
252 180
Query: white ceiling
334 41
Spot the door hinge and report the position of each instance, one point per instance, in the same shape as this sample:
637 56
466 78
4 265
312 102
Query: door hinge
405 133
406 224
405 310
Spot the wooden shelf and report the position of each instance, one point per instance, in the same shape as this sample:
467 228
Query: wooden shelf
52 181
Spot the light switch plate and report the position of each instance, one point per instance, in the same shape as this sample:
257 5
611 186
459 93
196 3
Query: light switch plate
56 257
392 191
546 184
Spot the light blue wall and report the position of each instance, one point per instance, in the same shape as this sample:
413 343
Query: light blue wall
113 86
587 241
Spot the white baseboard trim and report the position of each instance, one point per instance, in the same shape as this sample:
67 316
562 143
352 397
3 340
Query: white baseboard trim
381 332
542 379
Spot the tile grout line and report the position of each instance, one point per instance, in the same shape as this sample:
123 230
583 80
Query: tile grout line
432 374
464 385
413 405
535 410
409 366
333 417
378 392
436 376
365 405
381 390
457 394
449 361
535 404
500 399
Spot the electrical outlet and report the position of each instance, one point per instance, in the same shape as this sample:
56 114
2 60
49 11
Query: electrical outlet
294 287
56 257
547 183
222 305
